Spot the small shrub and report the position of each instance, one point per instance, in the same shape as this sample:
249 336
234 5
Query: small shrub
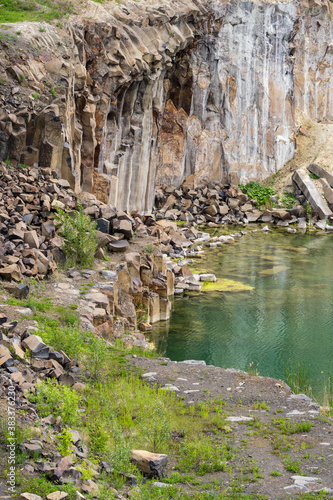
256 191
158 430
275 473
121 454
80 237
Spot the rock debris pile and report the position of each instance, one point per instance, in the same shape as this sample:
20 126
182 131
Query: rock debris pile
215 203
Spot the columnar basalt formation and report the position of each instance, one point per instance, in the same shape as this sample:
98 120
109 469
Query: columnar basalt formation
127 97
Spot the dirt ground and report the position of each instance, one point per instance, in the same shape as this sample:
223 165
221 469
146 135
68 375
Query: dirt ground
314 145
259 441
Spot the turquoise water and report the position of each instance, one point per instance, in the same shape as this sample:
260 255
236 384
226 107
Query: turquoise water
287 318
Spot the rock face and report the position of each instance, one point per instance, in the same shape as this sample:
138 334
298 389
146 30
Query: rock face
133 96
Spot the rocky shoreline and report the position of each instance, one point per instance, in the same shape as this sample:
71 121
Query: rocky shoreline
118 301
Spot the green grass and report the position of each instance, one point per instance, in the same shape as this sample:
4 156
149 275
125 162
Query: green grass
13 11
289 427
313 176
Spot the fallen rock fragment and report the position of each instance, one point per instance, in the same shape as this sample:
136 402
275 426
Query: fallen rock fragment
151 464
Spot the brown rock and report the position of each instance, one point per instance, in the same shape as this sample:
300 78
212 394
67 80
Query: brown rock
151 464
12 272
31 238
30 496
118 246
66 379
98 316
57 495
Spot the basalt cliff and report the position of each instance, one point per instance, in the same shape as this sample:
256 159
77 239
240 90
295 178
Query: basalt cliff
123 97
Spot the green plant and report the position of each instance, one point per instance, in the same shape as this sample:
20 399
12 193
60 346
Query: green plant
253 370
86 470
80 237
292 465
21 77
275 473
308 211
65 443
298 378
256 191
261 405
21 165
158 429
98 436
42 28
13 11
53 92
60 400
313 176
35 95
3 81
8 162
121 454
288 201
289 427
148 249
201 454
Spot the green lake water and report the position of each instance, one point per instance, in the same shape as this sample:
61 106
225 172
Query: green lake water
287 318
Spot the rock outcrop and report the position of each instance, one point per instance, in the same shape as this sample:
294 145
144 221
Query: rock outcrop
126 97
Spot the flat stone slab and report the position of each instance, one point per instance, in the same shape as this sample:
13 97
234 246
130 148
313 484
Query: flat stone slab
321 172
328 191
312 195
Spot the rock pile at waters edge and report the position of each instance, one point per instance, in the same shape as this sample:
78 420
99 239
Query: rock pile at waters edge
215 203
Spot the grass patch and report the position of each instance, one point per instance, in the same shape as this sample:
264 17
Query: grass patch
13 11
289 427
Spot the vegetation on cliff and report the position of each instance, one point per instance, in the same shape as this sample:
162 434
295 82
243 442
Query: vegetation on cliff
13 11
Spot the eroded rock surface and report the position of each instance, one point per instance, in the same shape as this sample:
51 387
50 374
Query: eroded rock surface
125 97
